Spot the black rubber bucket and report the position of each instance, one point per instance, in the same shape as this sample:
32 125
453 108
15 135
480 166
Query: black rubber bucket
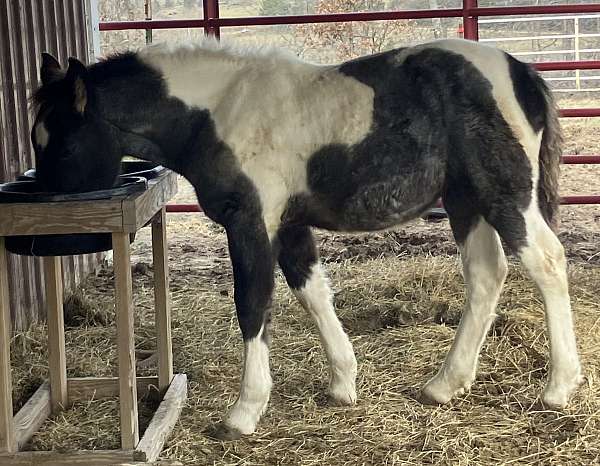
63 245
148 170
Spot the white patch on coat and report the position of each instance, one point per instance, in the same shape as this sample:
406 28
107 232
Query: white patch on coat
545 261
484 270
273 110
316 297
255 387
41 134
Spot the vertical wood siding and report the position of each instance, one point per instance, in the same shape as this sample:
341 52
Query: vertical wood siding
28 28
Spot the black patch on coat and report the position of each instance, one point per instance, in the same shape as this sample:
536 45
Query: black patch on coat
297 254
436 131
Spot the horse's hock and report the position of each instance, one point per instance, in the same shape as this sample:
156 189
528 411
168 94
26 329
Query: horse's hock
120 217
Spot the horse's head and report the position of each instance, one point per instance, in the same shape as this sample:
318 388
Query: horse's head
75 149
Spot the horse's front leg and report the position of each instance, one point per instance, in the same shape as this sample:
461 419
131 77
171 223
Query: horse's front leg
253 265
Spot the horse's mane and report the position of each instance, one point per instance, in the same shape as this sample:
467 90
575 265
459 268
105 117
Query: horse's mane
180 52
223 50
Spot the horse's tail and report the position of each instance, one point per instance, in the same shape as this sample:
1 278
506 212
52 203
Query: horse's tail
549 160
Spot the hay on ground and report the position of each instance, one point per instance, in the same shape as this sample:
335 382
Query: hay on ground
400 311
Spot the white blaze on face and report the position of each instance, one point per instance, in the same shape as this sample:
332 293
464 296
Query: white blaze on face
41 135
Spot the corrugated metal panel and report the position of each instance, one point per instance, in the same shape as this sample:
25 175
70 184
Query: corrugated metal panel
26 30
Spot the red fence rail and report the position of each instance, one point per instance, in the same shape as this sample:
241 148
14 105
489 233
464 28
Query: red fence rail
470 12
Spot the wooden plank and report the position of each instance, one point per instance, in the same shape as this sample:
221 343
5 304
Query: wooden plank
86 388
61 217
32 415
138 210
52 458
163 421
125 341
105 216
56 333
162 305
7 430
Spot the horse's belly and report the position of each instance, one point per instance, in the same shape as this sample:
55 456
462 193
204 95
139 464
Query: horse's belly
387 204
375 185
371 206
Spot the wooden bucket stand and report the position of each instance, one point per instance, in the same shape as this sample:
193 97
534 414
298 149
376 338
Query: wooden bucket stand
119 216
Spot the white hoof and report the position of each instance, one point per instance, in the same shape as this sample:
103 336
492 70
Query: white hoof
558 393
440 391
342 384
343 393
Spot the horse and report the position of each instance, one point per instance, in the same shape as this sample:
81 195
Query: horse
275 146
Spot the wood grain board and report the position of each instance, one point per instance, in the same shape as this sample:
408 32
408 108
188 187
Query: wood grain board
125 214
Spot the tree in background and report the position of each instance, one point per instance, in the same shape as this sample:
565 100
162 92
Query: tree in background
123 10
349 40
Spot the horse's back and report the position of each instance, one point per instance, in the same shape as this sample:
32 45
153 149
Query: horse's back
446 116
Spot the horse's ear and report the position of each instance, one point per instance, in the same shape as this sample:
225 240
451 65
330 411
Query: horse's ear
50 70
76 74
76 68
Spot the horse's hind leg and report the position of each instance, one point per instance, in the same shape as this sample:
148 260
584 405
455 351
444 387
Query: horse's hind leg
544 258
484 269
299 262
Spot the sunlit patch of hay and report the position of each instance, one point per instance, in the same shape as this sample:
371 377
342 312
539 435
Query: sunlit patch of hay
400 313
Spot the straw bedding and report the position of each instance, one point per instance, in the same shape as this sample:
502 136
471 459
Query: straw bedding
399 295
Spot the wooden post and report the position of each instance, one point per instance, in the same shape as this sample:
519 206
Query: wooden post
56 333
7 428
125 341
161 301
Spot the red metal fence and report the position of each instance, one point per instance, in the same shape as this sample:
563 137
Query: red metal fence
470 13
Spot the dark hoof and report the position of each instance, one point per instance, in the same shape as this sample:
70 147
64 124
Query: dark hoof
223 432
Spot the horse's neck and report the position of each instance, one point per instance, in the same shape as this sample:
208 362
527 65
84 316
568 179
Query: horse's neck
156 113
162 115
198 78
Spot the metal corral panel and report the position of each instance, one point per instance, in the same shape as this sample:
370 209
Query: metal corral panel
28 28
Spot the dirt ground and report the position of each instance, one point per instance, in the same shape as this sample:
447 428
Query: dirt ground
399 295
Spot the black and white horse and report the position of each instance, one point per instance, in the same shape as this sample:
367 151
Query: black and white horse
275 146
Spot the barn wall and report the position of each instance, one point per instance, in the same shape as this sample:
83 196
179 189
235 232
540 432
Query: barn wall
28 28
